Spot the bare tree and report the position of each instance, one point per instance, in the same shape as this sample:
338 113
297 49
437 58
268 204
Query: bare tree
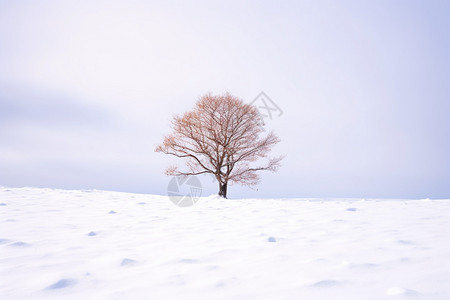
221 136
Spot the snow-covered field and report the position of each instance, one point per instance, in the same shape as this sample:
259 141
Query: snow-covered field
106 245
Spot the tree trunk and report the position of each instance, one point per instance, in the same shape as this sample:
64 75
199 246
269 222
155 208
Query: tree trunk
223 189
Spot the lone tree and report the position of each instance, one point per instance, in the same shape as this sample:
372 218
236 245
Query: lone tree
221 136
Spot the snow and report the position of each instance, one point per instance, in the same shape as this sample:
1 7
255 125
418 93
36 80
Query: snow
107 245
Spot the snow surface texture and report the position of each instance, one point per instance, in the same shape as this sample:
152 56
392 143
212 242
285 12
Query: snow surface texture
58 244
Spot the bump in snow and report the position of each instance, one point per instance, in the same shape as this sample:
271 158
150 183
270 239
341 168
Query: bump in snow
127 262
271 239
63 283
20 244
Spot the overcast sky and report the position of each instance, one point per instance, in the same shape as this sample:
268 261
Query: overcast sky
88 88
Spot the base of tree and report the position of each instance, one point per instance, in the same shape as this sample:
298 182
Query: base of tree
223 189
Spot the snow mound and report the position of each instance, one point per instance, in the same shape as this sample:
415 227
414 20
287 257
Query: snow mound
271 239
127 262
60 284
19 244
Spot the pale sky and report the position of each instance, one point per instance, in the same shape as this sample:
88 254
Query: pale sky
88 89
